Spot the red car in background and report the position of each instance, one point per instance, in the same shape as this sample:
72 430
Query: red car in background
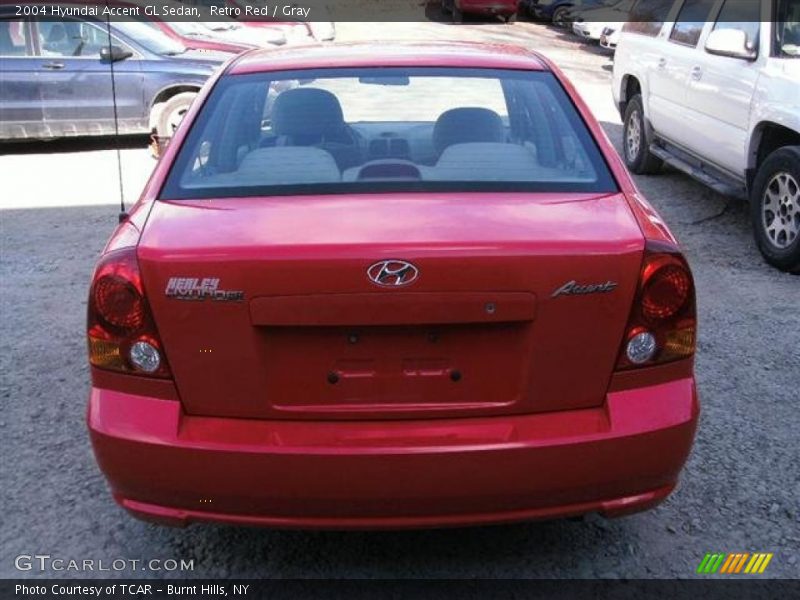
506 9
390 285
295 32
195 37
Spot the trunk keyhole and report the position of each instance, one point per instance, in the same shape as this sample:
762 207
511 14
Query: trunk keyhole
455 375
333 377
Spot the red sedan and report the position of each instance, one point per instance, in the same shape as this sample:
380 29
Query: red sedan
390 286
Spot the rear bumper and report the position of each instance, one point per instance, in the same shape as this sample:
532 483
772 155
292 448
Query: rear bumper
166 466
484 7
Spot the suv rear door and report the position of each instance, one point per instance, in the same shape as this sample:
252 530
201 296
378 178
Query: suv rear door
76 82
669 80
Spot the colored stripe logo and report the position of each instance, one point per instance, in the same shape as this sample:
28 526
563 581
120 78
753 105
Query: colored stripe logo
734 563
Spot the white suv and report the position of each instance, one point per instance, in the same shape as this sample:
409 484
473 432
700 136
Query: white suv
712 87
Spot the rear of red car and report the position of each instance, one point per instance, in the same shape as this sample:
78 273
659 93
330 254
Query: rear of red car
503 8
398 292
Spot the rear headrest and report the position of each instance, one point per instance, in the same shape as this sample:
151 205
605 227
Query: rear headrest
306 112
463 125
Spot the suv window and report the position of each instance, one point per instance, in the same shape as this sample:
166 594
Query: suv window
743 15
14 38
72 39
691 19
648 16
787 29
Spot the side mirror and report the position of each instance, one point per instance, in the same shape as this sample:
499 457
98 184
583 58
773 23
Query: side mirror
114 54
730 42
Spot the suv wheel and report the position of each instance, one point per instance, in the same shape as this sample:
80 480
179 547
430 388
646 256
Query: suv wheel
775 208
636 146
172 113
560 16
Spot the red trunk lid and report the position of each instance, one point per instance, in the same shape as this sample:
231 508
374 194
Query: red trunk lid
311 336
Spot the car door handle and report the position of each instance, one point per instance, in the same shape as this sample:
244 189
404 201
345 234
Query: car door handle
697 73
662 62
53 65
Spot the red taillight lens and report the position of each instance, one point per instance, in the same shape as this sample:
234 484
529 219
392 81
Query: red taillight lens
662 324
665 291
120 321
118 303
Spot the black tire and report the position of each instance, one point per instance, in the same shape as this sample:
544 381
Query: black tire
775 209
458 16
559 15
171 113
512 18
447 7
637 156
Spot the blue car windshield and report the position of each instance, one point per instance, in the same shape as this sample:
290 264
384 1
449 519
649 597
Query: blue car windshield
393 129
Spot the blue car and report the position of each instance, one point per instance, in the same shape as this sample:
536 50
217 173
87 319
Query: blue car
557 12
55 78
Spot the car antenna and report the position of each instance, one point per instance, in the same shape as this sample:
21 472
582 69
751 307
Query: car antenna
123 216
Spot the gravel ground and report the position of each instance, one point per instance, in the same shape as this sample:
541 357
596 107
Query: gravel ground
739 491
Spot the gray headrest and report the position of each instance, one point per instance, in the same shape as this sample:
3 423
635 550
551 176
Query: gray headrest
464 125
306 112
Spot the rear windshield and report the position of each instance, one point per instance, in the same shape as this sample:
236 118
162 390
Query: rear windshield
368 130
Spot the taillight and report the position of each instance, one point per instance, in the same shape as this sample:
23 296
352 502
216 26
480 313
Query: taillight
121 331
663 322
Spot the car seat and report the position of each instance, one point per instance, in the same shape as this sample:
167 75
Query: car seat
465 125
313 117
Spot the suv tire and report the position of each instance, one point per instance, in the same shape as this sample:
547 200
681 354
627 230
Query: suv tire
560 16
775 208
635 143
171 113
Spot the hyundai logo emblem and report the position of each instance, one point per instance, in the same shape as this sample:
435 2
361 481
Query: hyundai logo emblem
391 273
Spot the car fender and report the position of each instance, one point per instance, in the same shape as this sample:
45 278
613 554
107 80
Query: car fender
776 100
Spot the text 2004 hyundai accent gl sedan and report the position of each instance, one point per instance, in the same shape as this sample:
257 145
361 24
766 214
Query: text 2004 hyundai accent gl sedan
389 286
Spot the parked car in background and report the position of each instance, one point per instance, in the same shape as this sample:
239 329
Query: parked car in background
610 36
713 89
551 11
232 31
590 23
417 364
56 77
580 7
295 32
195 36
505 9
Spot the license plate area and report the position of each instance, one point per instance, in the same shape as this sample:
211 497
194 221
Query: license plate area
384 371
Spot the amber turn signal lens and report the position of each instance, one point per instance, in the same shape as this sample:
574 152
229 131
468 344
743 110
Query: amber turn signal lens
679 343
106 354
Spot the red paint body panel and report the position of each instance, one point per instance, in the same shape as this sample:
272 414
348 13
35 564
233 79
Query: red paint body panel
253 431
620 457
487 7
225 364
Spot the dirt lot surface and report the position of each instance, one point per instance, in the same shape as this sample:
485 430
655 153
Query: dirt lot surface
739 491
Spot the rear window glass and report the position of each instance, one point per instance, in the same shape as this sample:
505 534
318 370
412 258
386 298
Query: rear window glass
365 130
